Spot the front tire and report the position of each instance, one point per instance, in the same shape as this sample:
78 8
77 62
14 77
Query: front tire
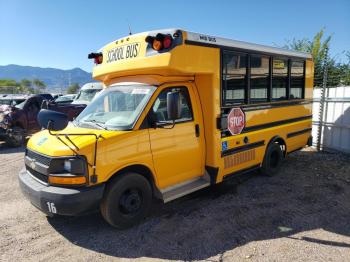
17 137
127 200
272 160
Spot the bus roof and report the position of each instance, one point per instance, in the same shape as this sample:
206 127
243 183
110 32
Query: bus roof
220 42
214 41
133 55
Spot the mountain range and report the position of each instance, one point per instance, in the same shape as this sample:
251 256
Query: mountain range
53 78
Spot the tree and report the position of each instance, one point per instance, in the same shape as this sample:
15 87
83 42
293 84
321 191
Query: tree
40 85
8 86
26 86
338 73
318 49
73 89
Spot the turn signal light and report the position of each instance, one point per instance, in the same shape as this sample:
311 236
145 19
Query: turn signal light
65 180
98 57
160 41
157 45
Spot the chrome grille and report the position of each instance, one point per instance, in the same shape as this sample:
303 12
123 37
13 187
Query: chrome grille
38 157
37 175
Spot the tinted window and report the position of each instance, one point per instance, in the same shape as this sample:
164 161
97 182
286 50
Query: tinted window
160 105
279 79
234 77
259 78
297 79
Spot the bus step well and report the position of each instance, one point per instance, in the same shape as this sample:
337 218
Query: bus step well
184 188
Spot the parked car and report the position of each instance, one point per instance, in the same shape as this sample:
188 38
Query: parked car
55 96
65 99
88 92
47 97
70 109
20 120
6 101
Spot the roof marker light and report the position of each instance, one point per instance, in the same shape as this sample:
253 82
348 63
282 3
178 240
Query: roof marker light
160 41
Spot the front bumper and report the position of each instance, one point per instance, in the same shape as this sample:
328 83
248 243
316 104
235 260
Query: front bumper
59 200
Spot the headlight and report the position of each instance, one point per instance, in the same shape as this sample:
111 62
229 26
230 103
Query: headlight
68 171
73 165
5 119
67 165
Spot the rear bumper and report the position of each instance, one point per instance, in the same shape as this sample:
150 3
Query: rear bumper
58 200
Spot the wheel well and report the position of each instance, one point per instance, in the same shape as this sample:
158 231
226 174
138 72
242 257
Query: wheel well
281 142
142 170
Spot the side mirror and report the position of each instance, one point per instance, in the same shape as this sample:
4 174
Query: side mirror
173 105
52 120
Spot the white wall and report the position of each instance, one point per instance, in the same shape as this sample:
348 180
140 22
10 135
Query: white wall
336 118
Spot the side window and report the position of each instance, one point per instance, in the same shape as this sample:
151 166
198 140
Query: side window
234 71
259 78
279 79
297 79
160 105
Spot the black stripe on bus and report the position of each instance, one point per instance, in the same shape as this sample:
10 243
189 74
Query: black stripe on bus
221 121
271 124
276 123
241 172
242 148
300 132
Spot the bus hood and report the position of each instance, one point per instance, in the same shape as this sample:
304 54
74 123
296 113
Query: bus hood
45 143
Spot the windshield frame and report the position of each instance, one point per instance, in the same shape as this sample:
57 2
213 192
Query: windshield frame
77 122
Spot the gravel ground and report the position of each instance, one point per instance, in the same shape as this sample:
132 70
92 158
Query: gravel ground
300 215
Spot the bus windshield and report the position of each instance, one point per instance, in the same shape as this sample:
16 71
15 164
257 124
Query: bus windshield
116 108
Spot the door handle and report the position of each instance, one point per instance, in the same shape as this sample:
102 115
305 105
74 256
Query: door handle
196 127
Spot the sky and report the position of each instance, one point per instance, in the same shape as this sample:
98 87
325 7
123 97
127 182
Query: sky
60 34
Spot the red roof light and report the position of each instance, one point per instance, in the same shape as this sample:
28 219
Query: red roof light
167 41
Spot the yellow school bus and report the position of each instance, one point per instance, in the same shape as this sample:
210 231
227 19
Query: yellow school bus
180 111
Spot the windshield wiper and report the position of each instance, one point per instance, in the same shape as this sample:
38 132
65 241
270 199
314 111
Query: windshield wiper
99 124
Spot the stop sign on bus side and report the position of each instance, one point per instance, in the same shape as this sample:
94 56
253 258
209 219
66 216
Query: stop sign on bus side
236 121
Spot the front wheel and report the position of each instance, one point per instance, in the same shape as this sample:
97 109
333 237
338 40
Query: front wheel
17 137
272 160
127 200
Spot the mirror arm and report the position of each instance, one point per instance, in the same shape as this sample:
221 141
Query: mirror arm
70 140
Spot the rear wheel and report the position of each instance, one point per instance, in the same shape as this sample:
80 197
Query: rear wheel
127 200
17 137
273 160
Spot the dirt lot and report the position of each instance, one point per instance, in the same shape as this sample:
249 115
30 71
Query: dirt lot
302 214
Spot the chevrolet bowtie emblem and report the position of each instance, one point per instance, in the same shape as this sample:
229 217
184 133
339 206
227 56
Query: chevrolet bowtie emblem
32 164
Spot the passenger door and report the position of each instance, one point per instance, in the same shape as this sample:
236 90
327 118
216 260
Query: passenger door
178 150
